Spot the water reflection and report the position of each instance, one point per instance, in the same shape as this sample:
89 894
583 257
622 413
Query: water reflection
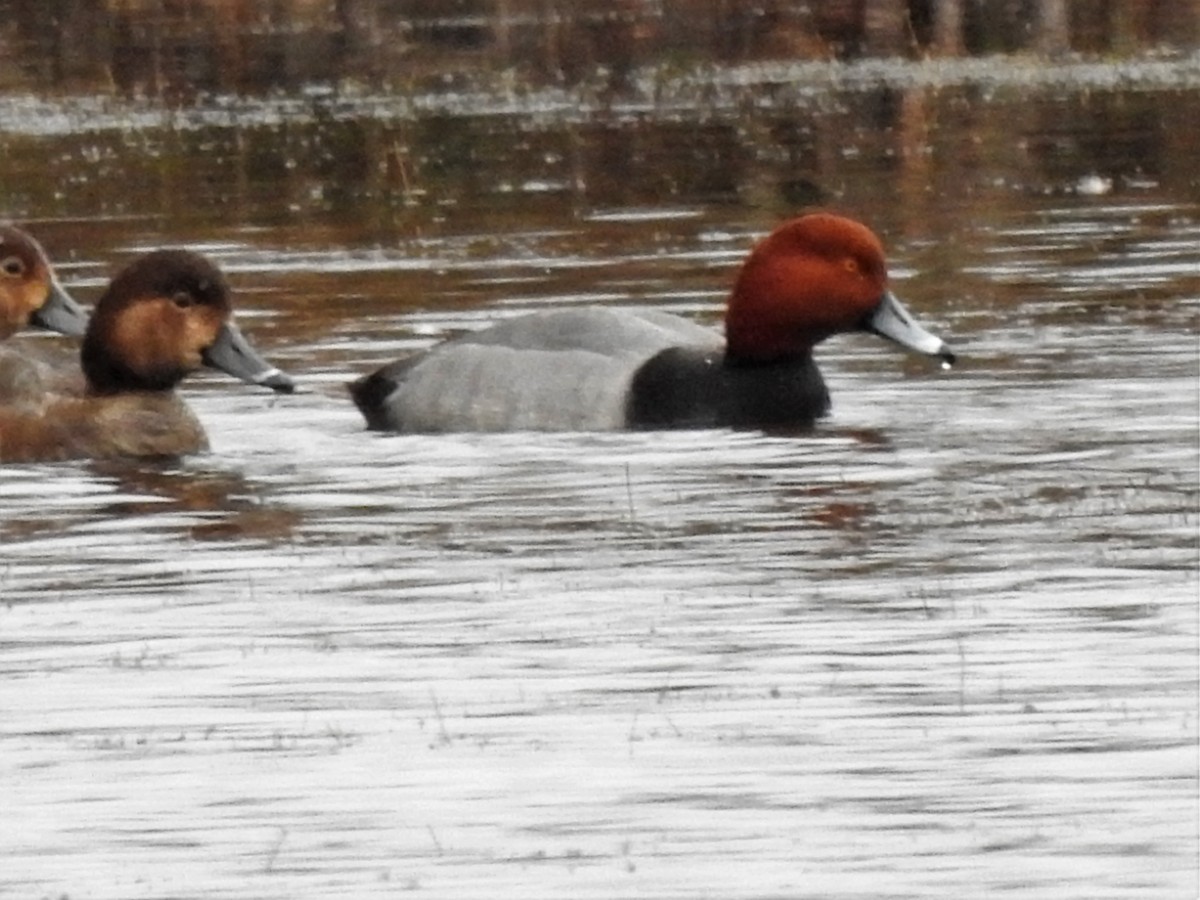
211 505
369 177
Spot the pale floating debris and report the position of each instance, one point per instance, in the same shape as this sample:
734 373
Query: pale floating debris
641 215
1093 185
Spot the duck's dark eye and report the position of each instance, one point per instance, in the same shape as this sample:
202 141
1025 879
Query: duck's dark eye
183 299
14 266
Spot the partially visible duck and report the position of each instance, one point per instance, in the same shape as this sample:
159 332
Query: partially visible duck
29 295
29 292
603 369
165 315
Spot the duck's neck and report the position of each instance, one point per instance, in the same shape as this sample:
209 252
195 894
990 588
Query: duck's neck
106 375
687 388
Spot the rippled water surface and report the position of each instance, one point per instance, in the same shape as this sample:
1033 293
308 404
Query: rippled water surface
943 645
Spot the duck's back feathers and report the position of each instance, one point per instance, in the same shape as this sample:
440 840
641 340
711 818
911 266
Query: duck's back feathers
32 374
560 370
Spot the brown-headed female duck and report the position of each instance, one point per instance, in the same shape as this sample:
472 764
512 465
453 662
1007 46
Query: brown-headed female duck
30 295
166 314
29 292
602 369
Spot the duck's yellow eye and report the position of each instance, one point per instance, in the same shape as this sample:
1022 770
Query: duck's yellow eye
13 266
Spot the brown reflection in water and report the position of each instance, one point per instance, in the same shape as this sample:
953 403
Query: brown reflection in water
836 507
935 171
233 507
841 515
1111 135
896 156
623 164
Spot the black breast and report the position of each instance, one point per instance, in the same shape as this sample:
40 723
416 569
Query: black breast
683 387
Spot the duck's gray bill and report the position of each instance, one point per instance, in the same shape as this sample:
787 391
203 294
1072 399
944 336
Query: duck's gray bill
61 313
233 354
892 321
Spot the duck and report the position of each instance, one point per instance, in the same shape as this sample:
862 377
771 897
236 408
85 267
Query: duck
29 290
30 295
604 369
165 315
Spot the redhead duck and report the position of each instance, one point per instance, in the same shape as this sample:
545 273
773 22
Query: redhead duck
29 292
29 295
603 369
165 315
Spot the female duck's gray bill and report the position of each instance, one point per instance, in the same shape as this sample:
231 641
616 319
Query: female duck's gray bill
60 313
892 321
232 353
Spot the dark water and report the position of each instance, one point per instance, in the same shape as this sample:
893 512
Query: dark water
946 645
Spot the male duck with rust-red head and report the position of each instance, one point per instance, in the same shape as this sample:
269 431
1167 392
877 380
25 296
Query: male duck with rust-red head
602 369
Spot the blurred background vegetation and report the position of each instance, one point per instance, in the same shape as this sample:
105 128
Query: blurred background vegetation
178 49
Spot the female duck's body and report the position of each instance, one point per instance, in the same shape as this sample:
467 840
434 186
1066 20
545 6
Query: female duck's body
604 369
137 424
165 315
